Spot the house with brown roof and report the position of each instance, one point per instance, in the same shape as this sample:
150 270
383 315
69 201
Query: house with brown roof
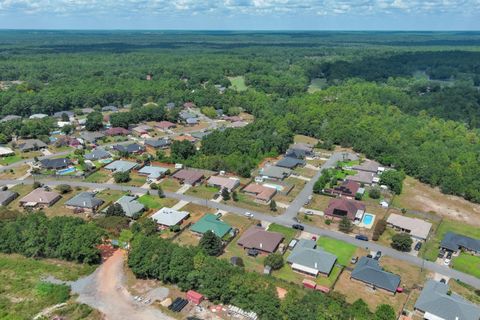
347 189
184 138
40 198
343 207
187 176
142 129
165 125
261 193
223 183
260 239
116 131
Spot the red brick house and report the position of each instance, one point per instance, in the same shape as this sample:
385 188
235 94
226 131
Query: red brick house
342 207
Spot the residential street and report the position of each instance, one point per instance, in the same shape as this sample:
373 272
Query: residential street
286 219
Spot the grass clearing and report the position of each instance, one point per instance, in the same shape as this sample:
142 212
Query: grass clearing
203 191
344 251
465 290
109 196
4 161
99 176
22 293
238 83
155 202
170 185
317 84
288 233
304 139
467 263
14 173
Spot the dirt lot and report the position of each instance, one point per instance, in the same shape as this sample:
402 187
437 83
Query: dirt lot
421 197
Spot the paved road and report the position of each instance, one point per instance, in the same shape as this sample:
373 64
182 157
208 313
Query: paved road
284 219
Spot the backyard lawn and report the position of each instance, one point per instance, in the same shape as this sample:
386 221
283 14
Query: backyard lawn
10 159
344 251
109 196
288 233
155 202
21 278
467 263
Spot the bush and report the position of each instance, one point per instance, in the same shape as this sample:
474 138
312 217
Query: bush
211 243
328 222
379 229
375 193
274 260
402 242
64 188
121 177
345 225
36 185
55 293
175 228
153 186
393 179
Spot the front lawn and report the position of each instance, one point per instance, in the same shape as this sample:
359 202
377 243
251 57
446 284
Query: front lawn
155 202
10 159
467 263
99 176
288 233
170 185
203 191
343 250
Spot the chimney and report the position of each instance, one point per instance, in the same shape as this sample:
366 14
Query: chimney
84 203
261 245
316 265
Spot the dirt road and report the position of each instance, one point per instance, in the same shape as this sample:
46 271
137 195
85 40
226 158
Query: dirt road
104 290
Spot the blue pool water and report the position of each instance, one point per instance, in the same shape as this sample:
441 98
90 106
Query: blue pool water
273 186
105 160
367 219
66 171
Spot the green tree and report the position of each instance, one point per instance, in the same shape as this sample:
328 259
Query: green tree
94 121
345 225
402 242
67 129
209 112
393 179
274 260
160 192
234 196
115 210
385 312
182 150
225 194
211 243
374 193
273 205
121 177
64 188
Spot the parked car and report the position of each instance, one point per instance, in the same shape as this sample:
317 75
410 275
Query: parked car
446 262
298 227
443 280
249 214
354 260
441 254
252 252
314 238
378 255
361 237
418 246
308 212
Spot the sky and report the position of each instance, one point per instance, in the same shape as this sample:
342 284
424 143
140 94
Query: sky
241 14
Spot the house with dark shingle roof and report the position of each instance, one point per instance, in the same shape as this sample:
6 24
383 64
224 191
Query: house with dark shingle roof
369 271
157 143
85 201
31 145
133 148
348 188
188 176
92 136
436 302
56 164
258 238
275 173
97 154
121 166
306 258
342 207
290 163
7 196
455 242
60 114
130 206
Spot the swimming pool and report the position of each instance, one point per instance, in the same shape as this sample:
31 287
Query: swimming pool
66 171
108 160
367 221
273 186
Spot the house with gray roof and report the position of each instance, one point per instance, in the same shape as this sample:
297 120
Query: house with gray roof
31 145
168 217
97 154
290 163
191 121
276 173
369 271
85 201
308 259
60 114
455 242
38 116
7 196
109 109
157 143
134 148
10 117
121 166
153 172
56 164
436 302
92 136
130 206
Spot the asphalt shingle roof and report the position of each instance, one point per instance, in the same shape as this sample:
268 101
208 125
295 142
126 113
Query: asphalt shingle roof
85 200
56 163
121 166
453 241
306 254
130 205
368 270
169 217
289 162
97 154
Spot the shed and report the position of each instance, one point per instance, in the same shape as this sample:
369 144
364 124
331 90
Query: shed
194 297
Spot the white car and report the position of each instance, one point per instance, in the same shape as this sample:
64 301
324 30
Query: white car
248 214
446 262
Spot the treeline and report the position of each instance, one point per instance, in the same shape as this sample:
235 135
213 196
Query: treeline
190 268
30 128
36 236
137 115
440 153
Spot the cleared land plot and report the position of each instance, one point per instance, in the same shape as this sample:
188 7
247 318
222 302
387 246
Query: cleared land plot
344 251
136 180
20 284
14 173
319 202
465 290
306 172
246 201
467 263
203 191
317 84
304 139
421 197
238 83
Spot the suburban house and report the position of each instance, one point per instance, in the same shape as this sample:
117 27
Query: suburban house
165 125
455 242
417 228
10 117
56 164
437 302
348 188
223 183
184 138
189 105
261 193
275 173
40 197
7 196
369 271
63 141
185 115
290 162
5 152
343 207
153 172
300 151
369 166
97 154
38 116
92 136
191 121
200 135
259 239
109 109
87 110
121 166
211 222
364 177
116 131
133 148
130 206
307 259
187 176
60 114
167 217
157 143
142 129
31 145
84 201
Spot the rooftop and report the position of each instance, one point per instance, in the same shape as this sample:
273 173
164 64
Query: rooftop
257 238
368 270
85 200
130 205
169 217
276 172
40 195
454 241
418 228
211 222
188 176
153 172
223 182
121 166
261 192
305 255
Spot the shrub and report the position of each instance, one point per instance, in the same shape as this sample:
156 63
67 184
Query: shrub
121 177
375 193
402 242
274 260
64 188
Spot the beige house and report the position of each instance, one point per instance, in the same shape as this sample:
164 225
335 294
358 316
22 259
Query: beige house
417 228
40 198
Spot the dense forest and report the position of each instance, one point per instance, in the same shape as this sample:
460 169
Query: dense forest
410 100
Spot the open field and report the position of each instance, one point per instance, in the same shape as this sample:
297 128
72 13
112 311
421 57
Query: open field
430 248
319 202
304 139
467 263
10 159
421 197
344 251
238 83
317 84
136 180
22 294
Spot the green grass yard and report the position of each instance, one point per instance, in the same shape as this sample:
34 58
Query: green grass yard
467 263
317 84
155 202
99 176
344 251
10 159
203 191
238 83
288 233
